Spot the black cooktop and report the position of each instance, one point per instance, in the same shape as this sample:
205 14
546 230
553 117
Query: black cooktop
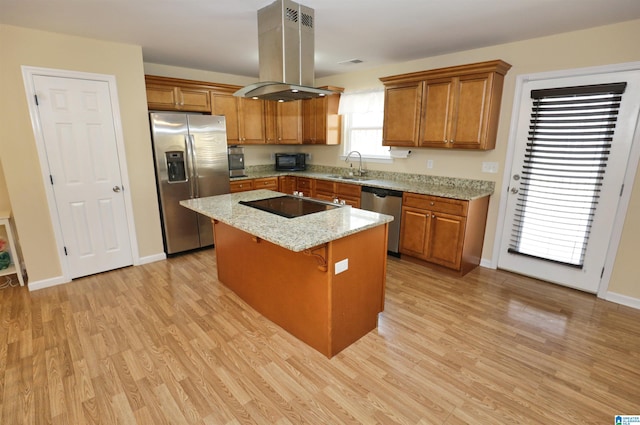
289 206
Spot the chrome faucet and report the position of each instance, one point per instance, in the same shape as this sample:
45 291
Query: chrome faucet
360 170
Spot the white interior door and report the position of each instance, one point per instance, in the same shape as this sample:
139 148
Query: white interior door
77 126
543 261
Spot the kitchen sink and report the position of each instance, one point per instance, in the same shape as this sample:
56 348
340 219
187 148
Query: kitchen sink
355 178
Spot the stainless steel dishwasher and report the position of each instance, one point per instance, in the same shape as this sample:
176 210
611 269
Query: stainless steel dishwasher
385 201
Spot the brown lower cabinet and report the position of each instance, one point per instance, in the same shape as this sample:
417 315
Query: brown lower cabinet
240 185
306 186
287 184
270 183
443 231
334 191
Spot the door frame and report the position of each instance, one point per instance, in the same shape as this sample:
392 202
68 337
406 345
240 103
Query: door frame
28 72
629 177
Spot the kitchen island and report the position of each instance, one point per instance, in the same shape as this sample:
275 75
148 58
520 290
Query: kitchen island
319 276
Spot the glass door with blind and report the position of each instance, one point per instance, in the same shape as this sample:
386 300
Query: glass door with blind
573 141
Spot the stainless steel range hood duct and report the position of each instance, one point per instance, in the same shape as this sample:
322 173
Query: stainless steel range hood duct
286 54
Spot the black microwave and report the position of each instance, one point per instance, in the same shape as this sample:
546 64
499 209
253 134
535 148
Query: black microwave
291 162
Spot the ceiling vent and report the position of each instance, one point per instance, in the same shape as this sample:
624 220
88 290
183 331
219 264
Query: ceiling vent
286 54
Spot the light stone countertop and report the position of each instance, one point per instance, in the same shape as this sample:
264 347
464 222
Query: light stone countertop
446 187
296 234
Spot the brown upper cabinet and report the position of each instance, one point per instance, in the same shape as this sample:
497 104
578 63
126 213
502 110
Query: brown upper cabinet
321 124
456 107
245 118
284 122
251 121
173 94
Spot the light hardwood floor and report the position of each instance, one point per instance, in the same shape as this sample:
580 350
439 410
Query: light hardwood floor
166 343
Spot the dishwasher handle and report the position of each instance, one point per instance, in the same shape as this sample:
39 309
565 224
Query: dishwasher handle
382 193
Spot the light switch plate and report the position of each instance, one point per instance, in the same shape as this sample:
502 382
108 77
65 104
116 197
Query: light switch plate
429 163
341 266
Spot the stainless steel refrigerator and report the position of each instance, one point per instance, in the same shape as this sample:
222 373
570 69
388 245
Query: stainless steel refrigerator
191 162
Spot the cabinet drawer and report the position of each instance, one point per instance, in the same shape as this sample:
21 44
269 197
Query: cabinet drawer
326 187
270 183
240 185
348 190
436 204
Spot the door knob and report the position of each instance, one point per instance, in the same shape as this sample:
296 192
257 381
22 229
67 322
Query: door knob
116 189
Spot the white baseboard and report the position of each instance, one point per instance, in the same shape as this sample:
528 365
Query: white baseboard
46 283
150 259
488 264
609 296
623 299
59 280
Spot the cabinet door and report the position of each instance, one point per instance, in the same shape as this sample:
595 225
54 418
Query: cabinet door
270 125
162 98
414 230
469 130
402 114
323 196
308 121
252 120
196 100
314 120
325 187
354 202
320 112
287 184
305 185
437 111
289 122
227 105
445 240
348 190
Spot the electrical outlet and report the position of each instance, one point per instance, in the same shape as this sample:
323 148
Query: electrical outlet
308 155
273 156
429 163
342 266
490 167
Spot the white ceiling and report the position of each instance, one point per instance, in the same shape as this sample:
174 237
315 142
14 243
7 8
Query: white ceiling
221 35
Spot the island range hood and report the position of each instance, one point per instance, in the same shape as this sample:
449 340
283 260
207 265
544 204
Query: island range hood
286 54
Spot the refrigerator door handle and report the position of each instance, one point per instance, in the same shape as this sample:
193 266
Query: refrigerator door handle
195 189
189 163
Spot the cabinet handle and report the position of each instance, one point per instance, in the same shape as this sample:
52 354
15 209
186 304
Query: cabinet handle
432 203
433 216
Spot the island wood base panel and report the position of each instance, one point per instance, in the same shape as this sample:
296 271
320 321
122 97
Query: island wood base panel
302 295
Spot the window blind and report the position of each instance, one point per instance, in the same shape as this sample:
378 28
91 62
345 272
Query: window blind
570 138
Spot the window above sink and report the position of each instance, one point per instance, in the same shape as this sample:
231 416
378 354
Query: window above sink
362 124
